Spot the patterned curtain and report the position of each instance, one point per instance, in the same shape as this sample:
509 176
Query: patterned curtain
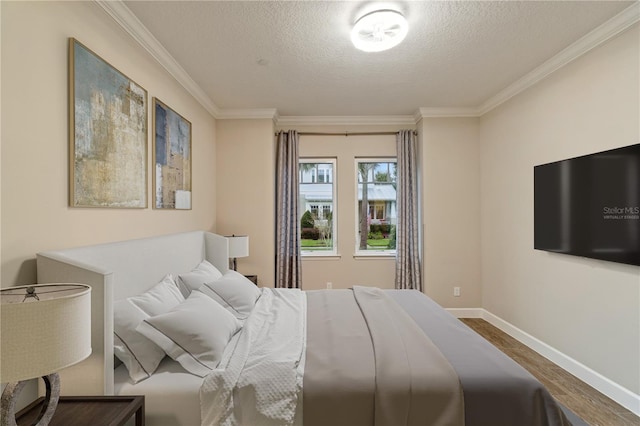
407 244
288 261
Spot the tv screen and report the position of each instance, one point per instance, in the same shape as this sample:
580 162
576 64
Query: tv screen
590 206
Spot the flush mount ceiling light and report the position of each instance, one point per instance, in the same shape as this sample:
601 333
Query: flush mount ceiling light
379 30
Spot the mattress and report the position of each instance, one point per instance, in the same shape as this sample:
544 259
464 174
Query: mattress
171 394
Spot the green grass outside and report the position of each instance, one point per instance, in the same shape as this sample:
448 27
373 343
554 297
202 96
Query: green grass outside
378 244
382 244
318 244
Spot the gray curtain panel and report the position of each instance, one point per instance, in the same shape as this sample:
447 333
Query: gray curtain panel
288 261
408 274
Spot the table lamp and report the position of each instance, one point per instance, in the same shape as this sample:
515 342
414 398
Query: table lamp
238 247
45 328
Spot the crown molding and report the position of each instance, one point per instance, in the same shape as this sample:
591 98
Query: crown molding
591 40
335 120
136 29
254 113
431 112
379 120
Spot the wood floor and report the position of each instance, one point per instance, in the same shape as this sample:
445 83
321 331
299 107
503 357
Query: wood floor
589 404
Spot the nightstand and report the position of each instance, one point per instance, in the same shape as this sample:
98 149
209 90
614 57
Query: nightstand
252 278
88 410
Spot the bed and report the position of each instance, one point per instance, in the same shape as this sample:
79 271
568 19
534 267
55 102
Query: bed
353 357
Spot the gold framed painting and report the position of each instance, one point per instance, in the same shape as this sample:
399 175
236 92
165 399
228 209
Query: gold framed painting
107 133
172 158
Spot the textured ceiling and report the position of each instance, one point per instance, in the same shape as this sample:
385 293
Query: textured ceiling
296 56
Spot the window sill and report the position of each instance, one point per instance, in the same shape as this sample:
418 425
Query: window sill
363 255
321 256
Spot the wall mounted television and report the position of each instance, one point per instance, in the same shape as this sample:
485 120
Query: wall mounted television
590 206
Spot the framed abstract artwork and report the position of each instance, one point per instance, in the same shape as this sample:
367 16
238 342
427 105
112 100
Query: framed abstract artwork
172 158
107 132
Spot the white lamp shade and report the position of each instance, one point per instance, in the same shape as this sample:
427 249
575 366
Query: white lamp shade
40 337
238 246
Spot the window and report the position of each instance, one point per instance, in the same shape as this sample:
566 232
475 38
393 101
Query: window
377 210
317 206
316 172
324 173
376 206
325 212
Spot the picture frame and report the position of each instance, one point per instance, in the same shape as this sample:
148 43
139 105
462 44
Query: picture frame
107 134
171 158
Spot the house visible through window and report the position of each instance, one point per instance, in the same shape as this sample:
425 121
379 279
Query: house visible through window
325 212
324 174
376 205
377 210
317 206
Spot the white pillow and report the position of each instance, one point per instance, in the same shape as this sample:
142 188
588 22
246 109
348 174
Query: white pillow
193 333
202 273
235 292
140 355
162 297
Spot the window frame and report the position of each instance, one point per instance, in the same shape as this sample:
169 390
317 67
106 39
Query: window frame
370 253
334 212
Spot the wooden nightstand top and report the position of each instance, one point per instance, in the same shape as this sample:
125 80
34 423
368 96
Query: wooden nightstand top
88 410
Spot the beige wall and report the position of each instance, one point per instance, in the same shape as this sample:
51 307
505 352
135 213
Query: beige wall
587 309
451 210
245 202
35 213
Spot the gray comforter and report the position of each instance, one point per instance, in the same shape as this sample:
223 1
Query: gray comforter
350 380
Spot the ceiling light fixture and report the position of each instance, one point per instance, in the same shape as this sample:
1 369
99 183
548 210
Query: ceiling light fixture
379 30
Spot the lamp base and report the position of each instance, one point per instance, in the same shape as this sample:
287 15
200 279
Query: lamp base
12 391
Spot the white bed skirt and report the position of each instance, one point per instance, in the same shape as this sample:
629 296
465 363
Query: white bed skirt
172 394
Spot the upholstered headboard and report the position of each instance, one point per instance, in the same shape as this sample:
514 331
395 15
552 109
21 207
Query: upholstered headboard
116 271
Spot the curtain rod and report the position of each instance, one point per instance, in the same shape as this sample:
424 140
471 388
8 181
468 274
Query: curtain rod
345 133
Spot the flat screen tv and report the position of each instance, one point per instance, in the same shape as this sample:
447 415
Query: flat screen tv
590 206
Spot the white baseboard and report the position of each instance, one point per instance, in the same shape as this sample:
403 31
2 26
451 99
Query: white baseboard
619 394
